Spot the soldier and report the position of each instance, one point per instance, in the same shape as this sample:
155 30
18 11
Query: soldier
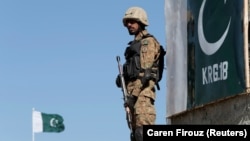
140 70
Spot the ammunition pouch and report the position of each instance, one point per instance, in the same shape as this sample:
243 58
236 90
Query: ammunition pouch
132 68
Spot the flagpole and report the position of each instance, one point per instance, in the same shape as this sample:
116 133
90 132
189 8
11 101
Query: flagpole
33 134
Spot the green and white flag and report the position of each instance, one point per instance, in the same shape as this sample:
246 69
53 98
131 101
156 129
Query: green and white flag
42 122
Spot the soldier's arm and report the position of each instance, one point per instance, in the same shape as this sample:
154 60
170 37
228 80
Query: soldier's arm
149 52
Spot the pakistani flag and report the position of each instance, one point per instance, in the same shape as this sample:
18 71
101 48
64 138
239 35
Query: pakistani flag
43 122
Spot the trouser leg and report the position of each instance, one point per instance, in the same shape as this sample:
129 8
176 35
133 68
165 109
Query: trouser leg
139 134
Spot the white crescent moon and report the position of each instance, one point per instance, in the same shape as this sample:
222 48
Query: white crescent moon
52 122
209 48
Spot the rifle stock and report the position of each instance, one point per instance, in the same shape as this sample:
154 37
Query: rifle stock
125 95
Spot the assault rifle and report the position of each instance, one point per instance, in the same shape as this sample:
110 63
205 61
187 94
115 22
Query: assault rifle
125 96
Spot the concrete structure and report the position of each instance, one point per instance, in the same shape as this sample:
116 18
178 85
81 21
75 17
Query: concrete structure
232 110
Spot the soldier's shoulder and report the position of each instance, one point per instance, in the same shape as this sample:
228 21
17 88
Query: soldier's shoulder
149 37
148 40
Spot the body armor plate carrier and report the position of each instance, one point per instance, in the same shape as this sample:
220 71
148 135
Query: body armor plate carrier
132 66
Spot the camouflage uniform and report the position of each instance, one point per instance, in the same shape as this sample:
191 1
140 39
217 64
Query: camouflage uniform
139 71
143 109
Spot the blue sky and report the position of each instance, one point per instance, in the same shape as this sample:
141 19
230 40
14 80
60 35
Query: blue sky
58 56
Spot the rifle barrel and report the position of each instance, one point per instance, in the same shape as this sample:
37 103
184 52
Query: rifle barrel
125 94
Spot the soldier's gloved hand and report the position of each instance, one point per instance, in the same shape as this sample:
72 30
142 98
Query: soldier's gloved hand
147 76
125 104
118 81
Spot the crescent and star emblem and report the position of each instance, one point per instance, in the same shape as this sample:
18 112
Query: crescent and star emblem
209 48
53 122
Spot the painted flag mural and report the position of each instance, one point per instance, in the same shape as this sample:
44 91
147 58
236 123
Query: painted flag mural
43 122
216 38
205 52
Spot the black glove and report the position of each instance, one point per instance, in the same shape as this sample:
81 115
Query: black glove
147 76
125 105
118 81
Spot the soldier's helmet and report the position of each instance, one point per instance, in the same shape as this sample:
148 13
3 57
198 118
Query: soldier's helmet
136 13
